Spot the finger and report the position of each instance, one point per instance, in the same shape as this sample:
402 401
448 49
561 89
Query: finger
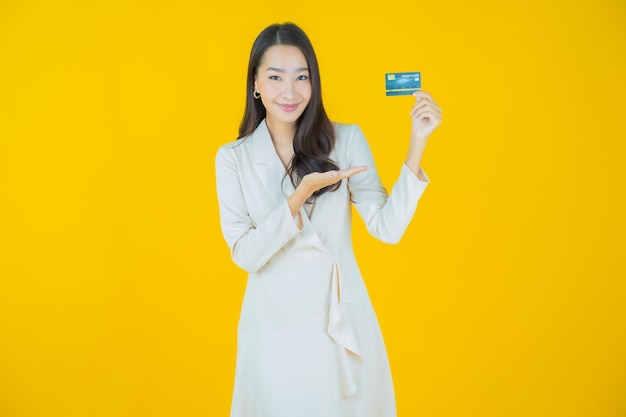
425 99
348 172
426 112
421 101
336 175
320 180
421 94
430 116
421 109
425 107
323 179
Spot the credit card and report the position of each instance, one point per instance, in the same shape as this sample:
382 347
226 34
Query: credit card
402 83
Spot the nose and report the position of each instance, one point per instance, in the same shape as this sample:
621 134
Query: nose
288 89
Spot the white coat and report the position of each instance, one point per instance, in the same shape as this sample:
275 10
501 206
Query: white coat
309 344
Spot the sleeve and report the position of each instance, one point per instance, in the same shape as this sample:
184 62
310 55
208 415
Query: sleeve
251 247
386 216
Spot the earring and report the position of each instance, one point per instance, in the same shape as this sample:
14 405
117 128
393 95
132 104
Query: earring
256 95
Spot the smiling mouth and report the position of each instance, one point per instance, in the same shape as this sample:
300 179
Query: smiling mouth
288 107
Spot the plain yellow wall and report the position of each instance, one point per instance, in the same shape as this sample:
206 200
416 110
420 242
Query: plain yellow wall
506 296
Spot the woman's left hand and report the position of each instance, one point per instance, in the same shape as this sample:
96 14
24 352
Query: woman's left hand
426 115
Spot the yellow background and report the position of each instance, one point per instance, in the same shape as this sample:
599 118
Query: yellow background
506 296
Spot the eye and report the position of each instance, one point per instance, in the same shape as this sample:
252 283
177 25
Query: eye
274 77
302 77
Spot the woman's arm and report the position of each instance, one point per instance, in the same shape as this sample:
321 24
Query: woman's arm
251 245
426 116
387 215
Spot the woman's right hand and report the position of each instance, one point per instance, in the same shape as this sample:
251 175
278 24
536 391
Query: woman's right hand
318 180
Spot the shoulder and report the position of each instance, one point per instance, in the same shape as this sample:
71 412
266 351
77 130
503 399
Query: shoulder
244 147
228 150
233 148
346 129
230 146
350 144
349 135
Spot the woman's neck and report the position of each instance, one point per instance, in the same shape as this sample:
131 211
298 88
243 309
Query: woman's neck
281 133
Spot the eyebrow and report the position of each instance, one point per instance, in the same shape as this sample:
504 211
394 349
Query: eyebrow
283 71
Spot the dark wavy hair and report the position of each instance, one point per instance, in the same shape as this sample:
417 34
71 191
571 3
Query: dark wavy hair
315 136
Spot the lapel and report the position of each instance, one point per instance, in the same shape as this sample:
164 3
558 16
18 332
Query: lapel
268 166
270 171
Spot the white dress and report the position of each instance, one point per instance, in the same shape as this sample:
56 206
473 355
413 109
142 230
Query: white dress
309 343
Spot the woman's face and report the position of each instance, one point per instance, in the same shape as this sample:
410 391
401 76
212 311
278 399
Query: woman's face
282 79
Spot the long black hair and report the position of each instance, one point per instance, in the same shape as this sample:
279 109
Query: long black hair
315 136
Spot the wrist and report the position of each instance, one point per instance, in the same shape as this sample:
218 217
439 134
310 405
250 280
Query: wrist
298 198
418 140
414 157
303 191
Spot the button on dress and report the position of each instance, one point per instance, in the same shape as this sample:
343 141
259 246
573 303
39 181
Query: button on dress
309 343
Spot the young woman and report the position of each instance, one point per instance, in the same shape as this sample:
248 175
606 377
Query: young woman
309 343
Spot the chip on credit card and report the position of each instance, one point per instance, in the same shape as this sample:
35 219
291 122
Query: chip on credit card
402 83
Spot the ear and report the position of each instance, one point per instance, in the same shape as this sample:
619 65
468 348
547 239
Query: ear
255 85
